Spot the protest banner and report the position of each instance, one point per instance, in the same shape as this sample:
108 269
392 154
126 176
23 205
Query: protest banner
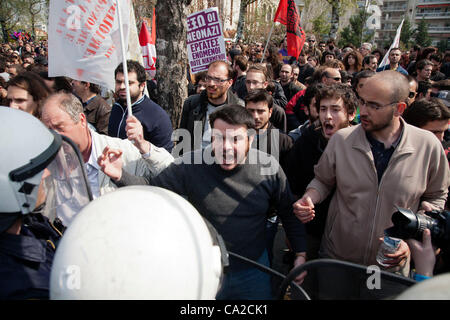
134 51
205 42
84 39
395 44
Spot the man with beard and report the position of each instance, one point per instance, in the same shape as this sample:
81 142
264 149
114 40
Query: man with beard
96 109
436 75
155 121
336 107
377 165
231 187
198 107
289 88
370 63
394 62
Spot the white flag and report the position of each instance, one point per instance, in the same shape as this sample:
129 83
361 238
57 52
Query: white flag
134 48
394 44
84 39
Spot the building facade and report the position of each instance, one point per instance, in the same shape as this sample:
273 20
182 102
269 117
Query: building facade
436 14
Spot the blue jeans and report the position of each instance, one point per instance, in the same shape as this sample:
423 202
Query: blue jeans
247 284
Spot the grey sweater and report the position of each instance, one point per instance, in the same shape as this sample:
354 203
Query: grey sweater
236 202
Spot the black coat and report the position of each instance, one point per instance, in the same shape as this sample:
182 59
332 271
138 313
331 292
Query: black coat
300 162
194 113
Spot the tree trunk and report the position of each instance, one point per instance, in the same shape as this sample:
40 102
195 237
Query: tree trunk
33 26
335 9
4 31
241 22
171 52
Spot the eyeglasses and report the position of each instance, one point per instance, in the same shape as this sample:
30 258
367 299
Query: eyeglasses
215 80
373 105
412 94
311 40
254 82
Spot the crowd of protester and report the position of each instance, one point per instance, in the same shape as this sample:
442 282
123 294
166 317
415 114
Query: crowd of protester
343 130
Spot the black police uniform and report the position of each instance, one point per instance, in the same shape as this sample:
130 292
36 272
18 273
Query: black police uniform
26 259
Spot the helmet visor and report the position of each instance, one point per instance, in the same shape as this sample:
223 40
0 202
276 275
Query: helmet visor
64 188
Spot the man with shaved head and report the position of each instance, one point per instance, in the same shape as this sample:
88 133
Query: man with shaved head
374 167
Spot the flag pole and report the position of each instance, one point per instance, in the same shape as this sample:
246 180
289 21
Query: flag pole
267 43
124 60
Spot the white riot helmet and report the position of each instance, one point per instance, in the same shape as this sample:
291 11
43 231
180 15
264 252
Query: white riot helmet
138 242
36 170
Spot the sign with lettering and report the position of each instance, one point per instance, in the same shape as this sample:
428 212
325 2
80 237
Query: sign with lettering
205 42
84 39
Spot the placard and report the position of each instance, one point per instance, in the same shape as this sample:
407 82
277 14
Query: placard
205 42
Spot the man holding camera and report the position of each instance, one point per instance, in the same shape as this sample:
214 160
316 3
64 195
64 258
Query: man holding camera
375 166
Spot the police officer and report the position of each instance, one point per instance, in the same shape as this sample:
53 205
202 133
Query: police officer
36 171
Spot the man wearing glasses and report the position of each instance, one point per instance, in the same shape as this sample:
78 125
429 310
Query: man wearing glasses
330 76
375 166
198 107
365 49
312 47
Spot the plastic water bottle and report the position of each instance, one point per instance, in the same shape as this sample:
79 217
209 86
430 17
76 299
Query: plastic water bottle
389 245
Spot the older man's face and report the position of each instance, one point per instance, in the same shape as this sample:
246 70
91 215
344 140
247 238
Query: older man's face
364 50
59 120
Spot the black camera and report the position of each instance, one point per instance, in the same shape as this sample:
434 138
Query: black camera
410 225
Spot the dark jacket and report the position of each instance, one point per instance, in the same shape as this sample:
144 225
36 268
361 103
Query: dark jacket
26 259
299 168
278 118
235 202
279 97
264 143
194 113
239 87
97 112
437 76
154 119
305 71
290 90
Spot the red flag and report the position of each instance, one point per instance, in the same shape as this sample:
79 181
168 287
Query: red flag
147 43
287 14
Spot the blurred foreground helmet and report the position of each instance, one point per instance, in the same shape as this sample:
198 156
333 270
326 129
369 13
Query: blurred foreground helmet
40 171
138 242
436 288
